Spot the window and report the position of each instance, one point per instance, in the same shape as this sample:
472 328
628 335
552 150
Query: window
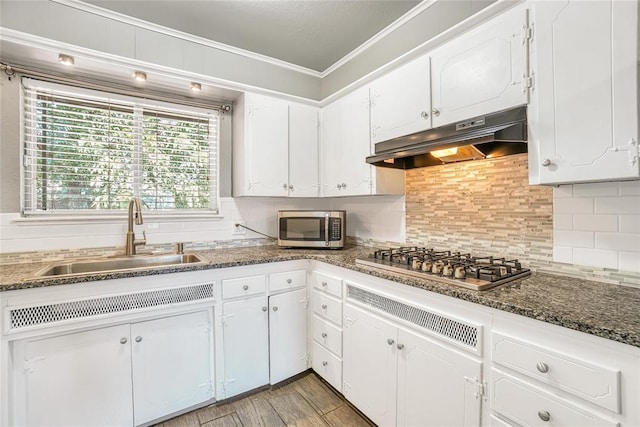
89 151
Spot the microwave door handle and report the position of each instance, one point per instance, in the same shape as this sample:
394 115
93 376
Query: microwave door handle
326 230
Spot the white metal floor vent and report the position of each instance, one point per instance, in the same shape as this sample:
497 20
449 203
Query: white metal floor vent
455 330
43 314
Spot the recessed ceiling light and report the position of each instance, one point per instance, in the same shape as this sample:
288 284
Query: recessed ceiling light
66 59
196 87
140 76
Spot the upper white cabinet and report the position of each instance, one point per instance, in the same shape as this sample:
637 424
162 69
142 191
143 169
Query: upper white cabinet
275 148
304 175
482 71
401 101
345 143
584 118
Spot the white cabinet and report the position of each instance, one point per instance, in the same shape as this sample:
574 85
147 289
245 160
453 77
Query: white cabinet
172 364
584 118
89 378
345 144
79 379
304 174
246 344
401 101
436 385
370 365
288 353
275 148
327 328
482 71
398 377
260 146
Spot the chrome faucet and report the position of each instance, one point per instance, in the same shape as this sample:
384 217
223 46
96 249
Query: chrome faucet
130 246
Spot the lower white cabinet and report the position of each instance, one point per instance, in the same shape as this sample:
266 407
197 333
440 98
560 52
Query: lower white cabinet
246 344
264 340
172 364
398 377
288 353
88 378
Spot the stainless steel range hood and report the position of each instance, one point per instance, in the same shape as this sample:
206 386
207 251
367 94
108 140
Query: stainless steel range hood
493 135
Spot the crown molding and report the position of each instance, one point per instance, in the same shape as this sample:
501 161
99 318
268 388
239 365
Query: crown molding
106 13
418 9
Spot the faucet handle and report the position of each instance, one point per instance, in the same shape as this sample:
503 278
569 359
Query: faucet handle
180 248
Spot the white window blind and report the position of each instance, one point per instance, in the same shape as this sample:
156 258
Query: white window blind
90 151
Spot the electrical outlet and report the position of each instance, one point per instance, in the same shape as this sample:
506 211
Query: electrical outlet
237 229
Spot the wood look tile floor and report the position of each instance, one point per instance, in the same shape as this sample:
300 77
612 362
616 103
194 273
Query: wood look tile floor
305 401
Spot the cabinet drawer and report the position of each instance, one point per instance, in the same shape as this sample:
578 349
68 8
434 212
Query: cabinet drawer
327 334
596 384
243 286
328 366
532 406
287 280
328 284
327 307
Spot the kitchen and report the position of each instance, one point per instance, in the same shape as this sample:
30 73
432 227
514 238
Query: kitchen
585 228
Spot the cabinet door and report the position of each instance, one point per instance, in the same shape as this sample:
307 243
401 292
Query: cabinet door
369 365
436 385
288 334
304 176
482 71
266 145
401 101
172 360
79 379
246 345
345 145
587 90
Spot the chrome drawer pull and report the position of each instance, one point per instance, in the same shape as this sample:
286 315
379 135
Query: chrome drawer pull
542 367
544 415
324 284
390 341
324 335
325 363
324 306
245 287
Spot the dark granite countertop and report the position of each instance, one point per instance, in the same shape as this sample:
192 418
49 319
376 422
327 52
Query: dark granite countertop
601 309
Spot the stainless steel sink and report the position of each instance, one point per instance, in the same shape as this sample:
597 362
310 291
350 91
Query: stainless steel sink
118 264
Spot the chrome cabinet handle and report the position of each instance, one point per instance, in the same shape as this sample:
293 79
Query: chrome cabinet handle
123 340
275 308
138 339
245 287
285 186
324 335
264 308
544 415
324 306
390 341
435 112
291 187
546 162
400 346
344 186
324 284
339 186
289 281
424 115
542 367
325 363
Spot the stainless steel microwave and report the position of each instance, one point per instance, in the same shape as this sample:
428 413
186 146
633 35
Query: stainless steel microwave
312 229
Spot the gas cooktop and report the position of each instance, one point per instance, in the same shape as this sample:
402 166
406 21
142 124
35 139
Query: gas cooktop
457 268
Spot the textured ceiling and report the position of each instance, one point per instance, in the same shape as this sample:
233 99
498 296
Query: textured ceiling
310 33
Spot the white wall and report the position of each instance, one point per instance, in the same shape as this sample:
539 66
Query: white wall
598 225
379 218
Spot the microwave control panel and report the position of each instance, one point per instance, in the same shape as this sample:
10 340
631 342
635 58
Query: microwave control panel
335 229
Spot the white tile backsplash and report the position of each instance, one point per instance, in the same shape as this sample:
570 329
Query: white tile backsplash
598 225
595 222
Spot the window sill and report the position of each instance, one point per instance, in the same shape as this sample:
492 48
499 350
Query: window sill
113 219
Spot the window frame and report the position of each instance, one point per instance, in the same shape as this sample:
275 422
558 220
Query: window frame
140 102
